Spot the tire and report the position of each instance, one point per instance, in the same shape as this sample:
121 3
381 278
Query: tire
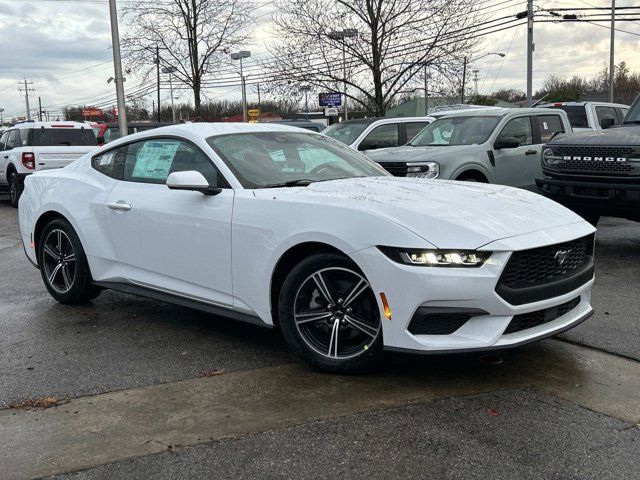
15 189
311 320
63 264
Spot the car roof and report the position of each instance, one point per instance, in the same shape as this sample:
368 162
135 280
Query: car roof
60 124
491 112
579 104
205 130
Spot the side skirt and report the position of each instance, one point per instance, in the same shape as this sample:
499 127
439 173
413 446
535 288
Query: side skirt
184 301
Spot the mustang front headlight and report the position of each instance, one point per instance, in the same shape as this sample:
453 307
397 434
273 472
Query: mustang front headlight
423 169
436 257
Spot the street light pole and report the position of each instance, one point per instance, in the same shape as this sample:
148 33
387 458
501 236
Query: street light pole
343 35
612 66
464 79
464 71
170 70
117 67
158 80
239 56
426 93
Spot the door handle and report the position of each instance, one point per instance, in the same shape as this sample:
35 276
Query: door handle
120 205
6 156
530 152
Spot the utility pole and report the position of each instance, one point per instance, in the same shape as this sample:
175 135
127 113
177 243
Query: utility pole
612 66
464 79
475 81
158 78
530 49
1 117
27 89
39 109
259 103
117 66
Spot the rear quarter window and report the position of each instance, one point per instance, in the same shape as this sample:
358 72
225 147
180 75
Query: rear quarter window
111 163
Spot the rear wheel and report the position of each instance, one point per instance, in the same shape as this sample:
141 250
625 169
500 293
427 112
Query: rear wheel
63 264
15 189
329 315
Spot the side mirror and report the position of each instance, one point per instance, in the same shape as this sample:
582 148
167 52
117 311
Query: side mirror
191 180
506 142
607 122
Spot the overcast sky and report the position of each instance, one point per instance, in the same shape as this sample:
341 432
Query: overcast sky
63 47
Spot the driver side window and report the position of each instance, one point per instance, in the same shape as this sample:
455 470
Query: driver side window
520 129
383 136
153 160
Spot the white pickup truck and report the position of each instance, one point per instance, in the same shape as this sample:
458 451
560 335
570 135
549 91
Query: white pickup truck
30 147
587 116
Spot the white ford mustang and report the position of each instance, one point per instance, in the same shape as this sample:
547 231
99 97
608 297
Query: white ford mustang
277 226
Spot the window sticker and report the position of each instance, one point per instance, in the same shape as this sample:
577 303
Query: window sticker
154 159
106 159
545 125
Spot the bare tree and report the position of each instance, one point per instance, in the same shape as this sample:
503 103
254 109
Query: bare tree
395 39
195 36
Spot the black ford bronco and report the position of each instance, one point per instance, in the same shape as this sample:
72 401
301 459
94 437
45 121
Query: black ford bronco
596 173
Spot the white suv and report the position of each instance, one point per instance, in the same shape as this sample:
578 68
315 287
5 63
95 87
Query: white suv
372 133
33 146
587 116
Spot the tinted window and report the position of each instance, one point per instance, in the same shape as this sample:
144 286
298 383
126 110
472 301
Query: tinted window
413 128
14 139
383 136
111 163
520 129
622 112
152 161
608 113
3 140
548 125
264 159
46 137
577 115
465 130
346 133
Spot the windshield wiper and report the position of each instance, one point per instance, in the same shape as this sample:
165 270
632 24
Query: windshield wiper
301 182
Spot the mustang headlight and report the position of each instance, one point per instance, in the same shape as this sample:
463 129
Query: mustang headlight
423 169
436 257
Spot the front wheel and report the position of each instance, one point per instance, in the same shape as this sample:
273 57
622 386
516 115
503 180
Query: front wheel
63 264
15 189
329 315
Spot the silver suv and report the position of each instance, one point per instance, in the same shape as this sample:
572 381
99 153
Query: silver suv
496 146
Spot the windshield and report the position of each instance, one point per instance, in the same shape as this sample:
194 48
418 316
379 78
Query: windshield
48 137
633 115
270 159
346 133
464 130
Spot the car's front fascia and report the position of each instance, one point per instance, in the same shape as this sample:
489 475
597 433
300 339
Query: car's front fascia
459 293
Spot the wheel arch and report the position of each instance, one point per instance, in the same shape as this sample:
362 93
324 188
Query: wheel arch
474 173
289 259
11 168
42 221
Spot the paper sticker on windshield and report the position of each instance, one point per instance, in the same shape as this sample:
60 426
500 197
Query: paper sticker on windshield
545 125
154 159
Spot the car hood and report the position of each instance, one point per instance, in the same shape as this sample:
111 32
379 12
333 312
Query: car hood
409 154
447 214
623 135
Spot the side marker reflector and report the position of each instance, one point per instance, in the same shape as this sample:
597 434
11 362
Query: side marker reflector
385 304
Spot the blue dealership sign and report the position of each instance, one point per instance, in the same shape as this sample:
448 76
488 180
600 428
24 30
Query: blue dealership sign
330 99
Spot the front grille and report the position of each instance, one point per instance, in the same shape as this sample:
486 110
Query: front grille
397 169
593 150
540 317
593 166
613 167
539 273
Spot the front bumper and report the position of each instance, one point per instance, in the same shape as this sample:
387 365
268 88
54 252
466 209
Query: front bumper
613 198
410 288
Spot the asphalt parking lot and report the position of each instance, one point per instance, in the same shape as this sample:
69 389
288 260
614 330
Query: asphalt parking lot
149 390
